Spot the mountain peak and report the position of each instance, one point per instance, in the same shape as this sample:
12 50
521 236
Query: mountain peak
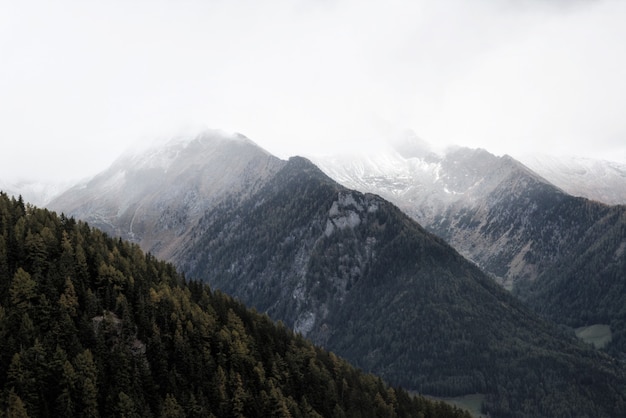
409 145
181 139
153 194
161 152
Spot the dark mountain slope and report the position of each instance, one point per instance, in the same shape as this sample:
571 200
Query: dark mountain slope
587 284
352 272
91 326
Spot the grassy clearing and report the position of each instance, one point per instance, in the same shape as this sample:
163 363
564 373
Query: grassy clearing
470 403
599 335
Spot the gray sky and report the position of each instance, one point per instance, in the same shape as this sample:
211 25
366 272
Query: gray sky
81 80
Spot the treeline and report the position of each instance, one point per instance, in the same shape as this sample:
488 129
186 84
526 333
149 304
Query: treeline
91 326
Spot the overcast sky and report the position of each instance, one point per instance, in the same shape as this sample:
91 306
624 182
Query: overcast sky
81 80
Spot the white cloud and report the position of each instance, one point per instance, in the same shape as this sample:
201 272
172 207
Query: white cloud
80 80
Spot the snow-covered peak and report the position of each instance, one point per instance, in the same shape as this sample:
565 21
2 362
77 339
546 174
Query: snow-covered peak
180 140
162 151
600 180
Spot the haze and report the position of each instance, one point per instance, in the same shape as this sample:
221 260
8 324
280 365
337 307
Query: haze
80 81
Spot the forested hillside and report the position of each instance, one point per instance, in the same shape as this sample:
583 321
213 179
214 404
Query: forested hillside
354 273
586 285
91 326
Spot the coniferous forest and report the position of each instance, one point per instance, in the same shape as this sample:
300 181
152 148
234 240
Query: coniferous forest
91 326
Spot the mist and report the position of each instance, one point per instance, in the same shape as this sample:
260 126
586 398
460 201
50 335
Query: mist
81 81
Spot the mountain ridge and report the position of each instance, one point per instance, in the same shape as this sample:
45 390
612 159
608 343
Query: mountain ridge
515 225
603 181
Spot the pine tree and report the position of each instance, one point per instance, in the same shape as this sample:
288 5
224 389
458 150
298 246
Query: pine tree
65 403
126 407
16 408
22 291
86 386
171 408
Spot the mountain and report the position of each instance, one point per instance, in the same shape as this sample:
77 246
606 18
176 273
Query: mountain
476 201
564 255
352 272
92 326
154 196
35 193
603 181
585 285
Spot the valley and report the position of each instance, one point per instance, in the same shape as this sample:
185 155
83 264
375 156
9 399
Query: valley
599 335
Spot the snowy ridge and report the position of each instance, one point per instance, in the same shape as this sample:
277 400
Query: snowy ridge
373 172
603 181
162 152
457 195
156 143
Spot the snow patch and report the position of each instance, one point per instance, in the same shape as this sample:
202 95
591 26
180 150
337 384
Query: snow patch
330 228
305 323
340 217
620 251
346 200
334 210
352 220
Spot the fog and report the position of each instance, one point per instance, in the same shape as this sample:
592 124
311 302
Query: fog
81 81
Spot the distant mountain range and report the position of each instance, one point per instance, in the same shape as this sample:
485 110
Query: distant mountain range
354 273
563 255
603 181
35 192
